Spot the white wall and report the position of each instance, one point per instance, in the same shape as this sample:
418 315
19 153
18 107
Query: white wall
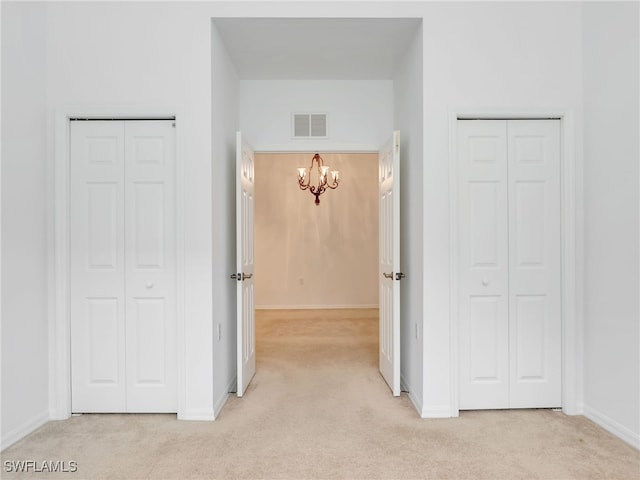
316 256
476 54
359 118
611 153
160 57
25 395
359 112
224 98
408 118
506 54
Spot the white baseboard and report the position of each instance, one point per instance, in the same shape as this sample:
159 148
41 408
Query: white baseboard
613 427
25 429
220 403
54 414
312 307
437 411
406 386
217 406
198 414
425 412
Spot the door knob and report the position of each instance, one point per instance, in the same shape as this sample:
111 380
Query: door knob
485 282
149 285
236 276
400 276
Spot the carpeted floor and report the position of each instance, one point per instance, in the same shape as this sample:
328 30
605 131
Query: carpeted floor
318 408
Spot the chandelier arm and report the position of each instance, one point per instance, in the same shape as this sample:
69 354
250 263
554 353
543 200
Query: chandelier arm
316 158
316 190
302 185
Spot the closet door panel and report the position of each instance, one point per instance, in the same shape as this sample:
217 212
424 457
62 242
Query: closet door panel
534 263
483 264
150 242
96 295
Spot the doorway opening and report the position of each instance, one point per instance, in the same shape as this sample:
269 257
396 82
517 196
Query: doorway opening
317 268
366 92
316 256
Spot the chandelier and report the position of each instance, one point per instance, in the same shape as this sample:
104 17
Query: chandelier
321 171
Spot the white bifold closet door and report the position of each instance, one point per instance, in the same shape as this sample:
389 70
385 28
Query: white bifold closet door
509 265
123 266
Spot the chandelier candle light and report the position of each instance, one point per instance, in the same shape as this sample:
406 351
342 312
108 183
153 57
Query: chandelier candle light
322 171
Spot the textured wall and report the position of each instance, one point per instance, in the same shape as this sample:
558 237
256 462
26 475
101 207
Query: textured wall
308 255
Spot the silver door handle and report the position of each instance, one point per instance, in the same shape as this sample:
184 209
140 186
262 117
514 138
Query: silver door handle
246 276
388 275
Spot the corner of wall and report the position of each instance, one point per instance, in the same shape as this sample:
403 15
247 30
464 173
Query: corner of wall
224 396
411 393
24 429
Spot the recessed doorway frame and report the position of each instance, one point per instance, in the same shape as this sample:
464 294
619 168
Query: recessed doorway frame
570 242
59 280
305 149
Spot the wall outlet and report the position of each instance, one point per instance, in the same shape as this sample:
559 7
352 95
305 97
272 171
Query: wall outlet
219 332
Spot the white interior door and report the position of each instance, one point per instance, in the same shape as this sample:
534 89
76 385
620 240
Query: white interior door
246 347
483 264
97 290
535 310
390 275
122 290
509 263
150 264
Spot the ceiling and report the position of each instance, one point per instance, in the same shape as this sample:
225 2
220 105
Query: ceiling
316 48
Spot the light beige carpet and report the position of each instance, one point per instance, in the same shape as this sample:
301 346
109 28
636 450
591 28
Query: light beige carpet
318 408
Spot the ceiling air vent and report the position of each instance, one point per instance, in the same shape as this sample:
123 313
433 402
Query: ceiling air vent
309 125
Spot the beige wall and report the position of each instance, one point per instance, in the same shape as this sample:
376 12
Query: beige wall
316 256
